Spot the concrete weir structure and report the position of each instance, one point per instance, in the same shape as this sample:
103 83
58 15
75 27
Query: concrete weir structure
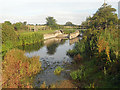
53 35
60 34
74 35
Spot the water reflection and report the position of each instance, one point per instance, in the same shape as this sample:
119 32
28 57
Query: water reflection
55 50
52 54
52 48
53 40
32 47
52 44
74 40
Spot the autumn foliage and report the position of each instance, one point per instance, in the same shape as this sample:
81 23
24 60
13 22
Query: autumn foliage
16 67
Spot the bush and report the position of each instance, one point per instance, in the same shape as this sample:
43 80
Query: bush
72 53
9 36
79 74
78 58
16 68
74 75
58 70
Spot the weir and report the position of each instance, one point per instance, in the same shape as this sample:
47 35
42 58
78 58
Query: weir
74 35
60 34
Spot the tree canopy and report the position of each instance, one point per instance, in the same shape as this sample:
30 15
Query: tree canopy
20 25
9 36
51 22
69 24
103 18
8 22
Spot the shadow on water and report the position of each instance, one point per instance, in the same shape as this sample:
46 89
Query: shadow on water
52 53
32 47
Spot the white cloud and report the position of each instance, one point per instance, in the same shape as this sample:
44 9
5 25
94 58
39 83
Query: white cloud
35 11
61 18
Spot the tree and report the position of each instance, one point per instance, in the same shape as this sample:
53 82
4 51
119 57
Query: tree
103 18
20 25
51 49
8 22
9 36
52 22
24 23
119 22
69 24
87 22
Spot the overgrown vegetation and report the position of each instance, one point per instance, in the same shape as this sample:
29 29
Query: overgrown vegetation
29 38
58 70
98 52
11 39
18 69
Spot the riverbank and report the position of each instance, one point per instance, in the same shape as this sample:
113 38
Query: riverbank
24 38
98 60
27 38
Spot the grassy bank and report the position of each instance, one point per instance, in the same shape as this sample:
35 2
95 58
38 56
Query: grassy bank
29 38
26 38
67 31
21 38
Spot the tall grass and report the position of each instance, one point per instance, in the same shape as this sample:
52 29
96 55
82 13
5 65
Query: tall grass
29 38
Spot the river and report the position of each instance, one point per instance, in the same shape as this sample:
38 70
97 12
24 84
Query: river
52 53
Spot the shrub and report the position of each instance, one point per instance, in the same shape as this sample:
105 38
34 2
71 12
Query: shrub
78 58
72 53
9 36
16 68
74 75
79 74
58 70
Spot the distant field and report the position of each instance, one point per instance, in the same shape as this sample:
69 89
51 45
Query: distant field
40 31
66 31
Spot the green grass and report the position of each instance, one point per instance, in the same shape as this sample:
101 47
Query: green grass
40 32
68 31
46 31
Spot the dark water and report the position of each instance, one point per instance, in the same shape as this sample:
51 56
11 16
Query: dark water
52 53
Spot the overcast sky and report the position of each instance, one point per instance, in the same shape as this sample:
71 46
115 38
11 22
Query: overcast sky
35 11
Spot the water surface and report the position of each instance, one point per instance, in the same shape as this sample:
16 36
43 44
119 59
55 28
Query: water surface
52 53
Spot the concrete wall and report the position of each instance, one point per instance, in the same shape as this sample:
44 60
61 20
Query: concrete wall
63 36
55 34
74 35
59 34
47 36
